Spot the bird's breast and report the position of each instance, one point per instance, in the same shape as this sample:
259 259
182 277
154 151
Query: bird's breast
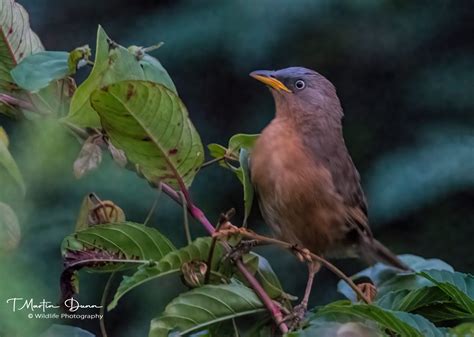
296 194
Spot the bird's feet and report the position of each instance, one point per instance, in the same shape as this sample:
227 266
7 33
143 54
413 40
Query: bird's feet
296 317
242 248
303 254
369 290
227 229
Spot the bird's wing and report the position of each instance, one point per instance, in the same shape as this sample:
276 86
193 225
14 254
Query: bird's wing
346 181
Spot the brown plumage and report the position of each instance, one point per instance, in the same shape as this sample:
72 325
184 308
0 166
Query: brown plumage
308 187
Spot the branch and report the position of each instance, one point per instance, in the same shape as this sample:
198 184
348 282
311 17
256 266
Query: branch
261 293
260 238
197 214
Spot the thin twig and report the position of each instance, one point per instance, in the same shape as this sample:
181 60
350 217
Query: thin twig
323 261
187 231
196 213
153 207
103 301
236 329
222 219
212 161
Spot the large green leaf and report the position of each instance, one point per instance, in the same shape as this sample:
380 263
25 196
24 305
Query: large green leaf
151 125
198 250
449 299
462 330
458 286
430 302
38 70
113 63
10 232
109 247
8 167
402 323
128 240
204 306
389 279
155 72
17 40
336 329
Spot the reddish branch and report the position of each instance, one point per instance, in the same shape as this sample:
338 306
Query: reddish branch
199 215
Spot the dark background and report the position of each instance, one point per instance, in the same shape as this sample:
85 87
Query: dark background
404 71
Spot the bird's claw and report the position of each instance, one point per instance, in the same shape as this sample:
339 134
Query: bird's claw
227 229
303 254
296 317
369 290
242 248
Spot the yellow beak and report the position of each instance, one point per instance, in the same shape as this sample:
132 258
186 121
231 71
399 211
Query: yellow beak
265 77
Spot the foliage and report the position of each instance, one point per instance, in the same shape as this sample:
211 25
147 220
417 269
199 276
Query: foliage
129 106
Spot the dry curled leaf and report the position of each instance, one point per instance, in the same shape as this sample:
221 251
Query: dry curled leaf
89 158
95 211
194 273
118 155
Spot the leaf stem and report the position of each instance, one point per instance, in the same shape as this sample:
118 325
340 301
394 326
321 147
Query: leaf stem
198 214
187 230
212 161
103 304
153 207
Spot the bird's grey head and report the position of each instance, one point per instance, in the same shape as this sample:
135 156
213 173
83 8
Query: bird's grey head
299 90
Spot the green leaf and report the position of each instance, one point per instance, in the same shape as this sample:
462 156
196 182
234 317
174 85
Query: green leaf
113 63
204 306
246 183
241 141
404 324
110 65
430 302
17 40
462 330
151 125
4 137
264 273
9 167
155 72
109 247
388 279
54 100
78 58
127 240
10 232
198 250
236 143
336 329
239 148
458 286
38 70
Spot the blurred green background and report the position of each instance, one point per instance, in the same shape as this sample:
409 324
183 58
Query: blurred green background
404 71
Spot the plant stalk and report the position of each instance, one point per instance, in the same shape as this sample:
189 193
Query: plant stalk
198 214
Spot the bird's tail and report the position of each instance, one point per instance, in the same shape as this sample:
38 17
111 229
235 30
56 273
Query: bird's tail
377 252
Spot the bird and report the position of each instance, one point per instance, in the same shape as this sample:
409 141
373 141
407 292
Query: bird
308 188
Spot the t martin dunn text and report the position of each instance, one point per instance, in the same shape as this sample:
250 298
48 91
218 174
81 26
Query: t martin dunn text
72 305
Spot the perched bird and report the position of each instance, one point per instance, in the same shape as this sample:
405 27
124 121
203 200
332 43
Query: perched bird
308 187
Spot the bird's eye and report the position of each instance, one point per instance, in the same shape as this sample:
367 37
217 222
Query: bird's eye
300 84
